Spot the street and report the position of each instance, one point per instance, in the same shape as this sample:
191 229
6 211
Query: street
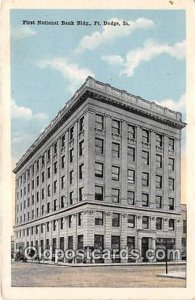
40 275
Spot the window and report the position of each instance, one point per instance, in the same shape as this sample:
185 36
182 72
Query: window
184 226
37 212
48 154
43 176
159 223
81 171
99 148
115 173
49 190
81 124
171 203
63 161
55 205
158 161
43 160
171 144
145 222
61 223
41 228
37 180
171 184
115 195
55 148
79 219
99 122
70 242
69 221
37 165
98 218
98 242
71 177
37 196
145 136
71 155
55 167
43 193
159 140
131 154
63 141
80 242
131 176
115 220
131 198
54 225
131 132
62 204
62 182
99 169
115 127
71 133
81 148
145 199
145 179
28 187
42 210
33 199
55 186
98 192
71 198
131 221
171 224
48 207
158 201
48 172
171 164
158 182
145 157
115 150
81 194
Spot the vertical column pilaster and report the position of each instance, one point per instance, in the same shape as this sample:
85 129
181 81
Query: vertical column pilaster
124 164
108 159
152 169
139 167
177 174
165 204
107 235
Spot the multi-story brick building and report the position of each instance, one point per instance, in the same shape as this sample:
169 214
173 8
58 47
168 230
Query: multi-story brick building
105 173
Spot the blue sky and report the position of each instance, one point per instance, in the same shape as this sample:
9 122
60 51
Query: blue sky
48 63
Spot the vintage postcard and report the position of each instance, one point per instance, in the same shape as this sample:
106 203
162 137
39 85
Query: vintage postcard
97 136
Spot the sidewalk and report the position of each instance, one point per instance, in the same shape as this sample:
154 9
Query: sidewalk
107 264
179 275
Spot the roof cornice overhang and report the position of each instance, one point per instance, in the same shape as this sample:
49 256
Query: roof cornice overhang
88 92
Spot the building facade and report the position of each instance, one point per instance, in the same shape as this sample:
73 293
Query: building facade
104 174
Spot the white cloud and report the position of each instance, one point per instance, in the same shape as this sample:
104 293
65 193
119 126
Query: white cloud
109 33
70 71
151 50
21 112
173 104
22 32
113 59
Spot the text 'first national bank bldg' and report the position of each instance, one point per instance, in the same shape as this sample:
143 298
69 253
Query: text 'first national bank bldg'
105 174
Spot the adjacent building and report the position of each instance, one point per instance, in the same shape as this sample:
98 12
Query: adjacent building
104 174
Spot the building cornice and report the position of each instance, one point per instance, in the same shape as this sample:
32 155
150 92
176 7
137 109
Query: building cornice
107 94
71 210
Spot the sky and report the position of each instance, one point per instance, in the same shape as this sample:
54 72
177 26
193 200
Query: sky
50 62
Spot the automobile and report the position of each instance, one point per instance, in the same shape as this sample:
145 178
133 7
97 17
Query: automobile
20 257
